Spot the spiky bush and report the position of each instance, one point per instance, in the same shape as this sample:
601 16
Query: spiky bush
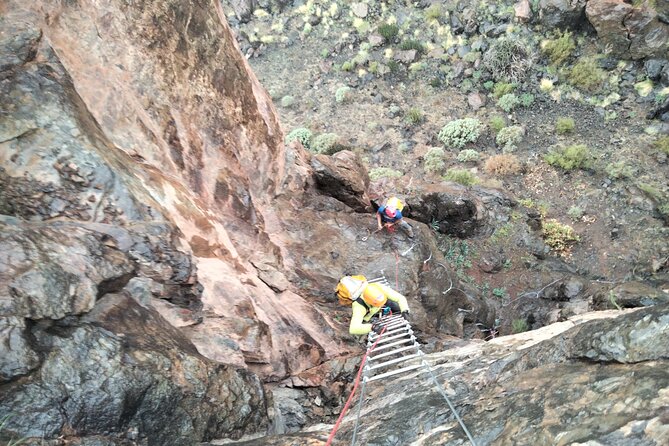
461 176
662 144
502 165
301 134
508 137
468 155
457 133
508 59
388 31
519 326
434 160
501 89
497 123
619 170
412 44
414 116
570 158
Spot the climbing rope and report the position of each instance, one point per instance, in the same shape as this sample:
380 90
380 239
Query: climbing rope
350 397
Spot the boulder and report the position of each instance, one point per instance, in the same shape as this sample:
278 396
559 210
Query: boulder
343 177
564 14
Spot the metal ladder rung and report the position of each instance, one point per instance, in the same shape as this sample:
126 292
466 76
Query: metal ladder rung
395 372
385 339
393 324
392 344
390 319
389 332
394 361
393 352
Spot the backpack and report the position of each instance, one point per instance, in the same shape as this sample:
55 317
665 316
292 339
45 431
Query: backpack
395 202
350 288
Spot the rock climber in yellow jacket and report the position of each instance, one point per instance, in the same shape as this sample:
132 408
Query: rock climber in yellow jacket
366 300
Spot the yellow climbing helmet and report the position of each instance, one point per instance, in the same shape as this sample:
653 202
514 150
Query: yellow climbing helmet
374 295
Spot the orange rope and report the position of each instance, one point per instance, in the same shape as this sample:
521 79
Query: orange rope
355 386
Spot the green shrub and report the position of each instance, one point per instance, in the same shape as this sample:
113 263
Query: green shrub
472 56
434 160
343 94
468 155
526 99
586 75
433 12
508 59
287 101
347 66
457 133
558 50
557 235
519 326
618 170
412 44
501 89
394 66
497 123
508 102
388 31
414 116
327 143
508 137
461 176
570 158
301 134
662 144
575 213
564 125
384 172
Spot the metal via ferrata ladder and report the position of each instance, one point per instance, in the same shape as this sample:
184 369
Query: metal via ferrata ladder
393 352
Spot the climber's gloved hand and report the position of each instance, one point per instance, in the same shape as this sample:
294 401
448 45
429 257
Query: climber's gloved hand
405 315
377 327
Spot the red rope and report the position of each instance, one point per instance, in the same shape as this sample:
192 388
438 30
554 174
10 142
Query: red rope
355 387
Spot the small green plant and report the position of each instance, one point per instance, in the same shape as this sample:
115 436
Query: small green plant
457 133
501 89
412 44
434 160
457 254
614 302
384 172
519 326
287 101
433 12
414 116
488 85
394 66
508 102
461 176
558 236
499 292
651 191
508 137
564 125
526 99
327 143
343 94
662 144
301 134
347 66
570 158
497 123
468 155
586 75
619 170
559 50
575 213
388 31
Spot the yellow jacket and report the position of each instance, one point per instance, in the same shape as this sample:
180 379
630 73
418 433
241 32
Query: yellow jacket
362 314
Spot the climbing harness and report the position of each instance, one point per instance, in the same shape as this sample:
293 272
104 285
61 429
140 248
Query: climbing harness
394 351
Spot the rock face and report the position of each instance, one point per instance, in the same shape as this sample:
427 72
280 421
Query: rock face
590 380
630 31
